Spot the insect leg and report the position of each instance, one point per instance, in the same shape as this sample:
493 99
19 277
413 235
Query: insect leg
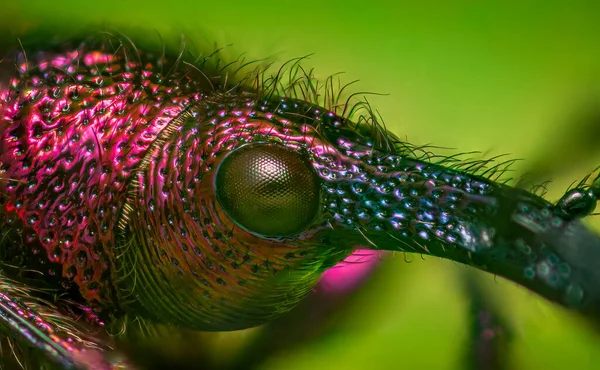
489 334
52 335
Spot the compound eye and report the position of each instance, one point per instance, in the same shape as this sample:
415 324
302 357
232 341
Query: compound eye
268 189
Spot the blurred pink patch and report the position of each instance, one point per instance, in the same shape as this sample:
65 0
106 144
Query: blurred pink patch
351 273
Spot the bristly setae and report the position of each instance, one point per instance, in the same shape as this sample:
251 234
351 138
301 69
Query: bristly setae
165 187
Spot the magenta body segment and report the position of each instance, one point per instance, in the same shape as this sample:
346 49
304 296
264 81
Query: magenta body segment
74 126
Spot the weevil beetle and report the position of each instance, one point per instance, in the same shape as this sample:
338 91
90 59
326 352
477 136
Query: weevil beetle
150 185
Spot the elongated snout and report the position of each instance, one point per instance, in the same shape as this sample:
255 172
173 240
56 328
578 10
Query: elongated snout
401 204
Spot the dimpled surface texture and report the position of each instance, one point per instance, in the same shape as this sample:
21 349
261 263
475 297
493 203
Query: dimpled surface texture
73 126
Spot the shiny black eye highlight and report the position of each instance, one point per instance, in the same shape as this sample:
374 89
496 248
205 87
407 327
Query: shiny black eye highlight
268 189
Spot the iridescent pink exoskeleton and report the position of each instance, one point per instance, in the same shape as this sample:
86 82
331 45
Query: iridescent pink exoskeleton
140 185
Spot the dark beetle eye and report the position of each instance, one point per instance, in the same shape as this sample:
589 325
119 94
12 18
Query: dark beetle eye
268 189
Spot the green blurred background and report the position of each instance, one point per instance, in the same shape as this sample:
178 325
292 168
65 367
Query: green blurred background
515 77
